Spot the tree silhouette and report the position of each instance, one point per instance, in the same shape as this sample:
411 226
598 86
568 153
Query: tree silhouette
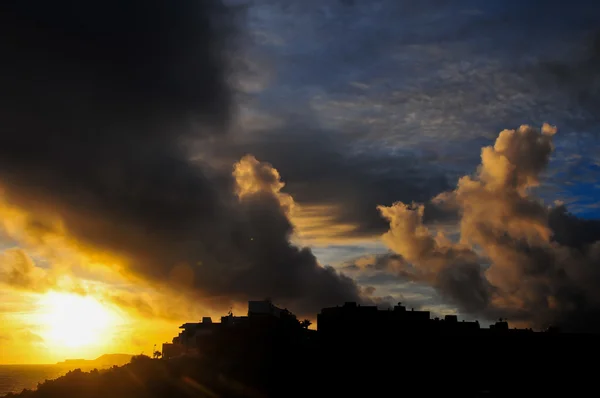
305 323
157 354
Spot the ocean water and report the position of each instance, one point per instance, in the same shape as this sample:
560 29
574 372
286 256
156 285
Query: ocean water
15 378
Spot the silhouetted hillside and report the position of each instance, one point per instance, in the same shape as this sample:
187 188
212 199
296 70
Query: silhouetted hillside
142 377
276 365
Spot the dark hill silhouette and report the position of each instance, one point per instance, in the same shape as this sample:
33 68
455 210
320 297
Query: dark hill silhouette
102 361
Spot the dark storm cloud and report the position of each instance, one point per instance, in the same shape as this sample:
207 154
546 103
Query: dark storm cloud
575 74
572 231
324 168
455 274
98 102
389 273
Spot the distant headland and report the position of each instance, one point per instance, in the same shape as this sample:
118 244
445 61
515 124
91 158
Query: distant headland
102 361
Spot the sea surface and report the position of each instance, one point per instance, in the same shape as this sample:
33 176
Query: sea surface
15 378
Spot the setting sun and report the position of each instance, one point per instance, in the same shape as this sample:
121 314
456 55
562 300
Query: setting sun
75 321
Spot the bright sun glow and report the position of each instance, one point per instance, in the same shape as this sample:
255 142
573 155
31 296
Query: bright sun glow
75 321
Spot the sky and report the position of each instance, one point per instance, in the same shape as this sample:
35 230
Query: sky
160 163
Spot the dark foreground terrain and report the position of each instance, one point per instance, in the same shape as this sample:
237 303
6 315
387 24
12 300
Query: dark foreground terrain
267 366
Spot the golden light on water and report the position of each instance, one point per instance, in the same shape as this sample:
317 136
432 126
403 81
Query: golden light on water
73 321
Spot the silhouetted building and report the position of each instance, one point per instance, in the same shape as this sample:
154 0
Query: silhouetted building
342 324
172 350
451 319
354 319
269 348
500 326
263 307
197 338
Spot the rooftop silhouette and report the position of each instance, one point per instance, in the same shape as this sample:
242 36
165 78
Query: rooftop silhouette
348 321
263 346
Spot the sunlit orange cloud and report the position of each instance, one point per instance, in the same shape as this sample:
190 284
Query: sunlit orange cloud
137 297
512 259
69 265
97 282
45 235
317 225
252 177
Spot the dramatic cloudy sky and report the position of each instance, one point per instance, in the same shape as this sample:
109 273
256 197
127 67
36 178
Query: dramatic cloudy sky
364 102
177 160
